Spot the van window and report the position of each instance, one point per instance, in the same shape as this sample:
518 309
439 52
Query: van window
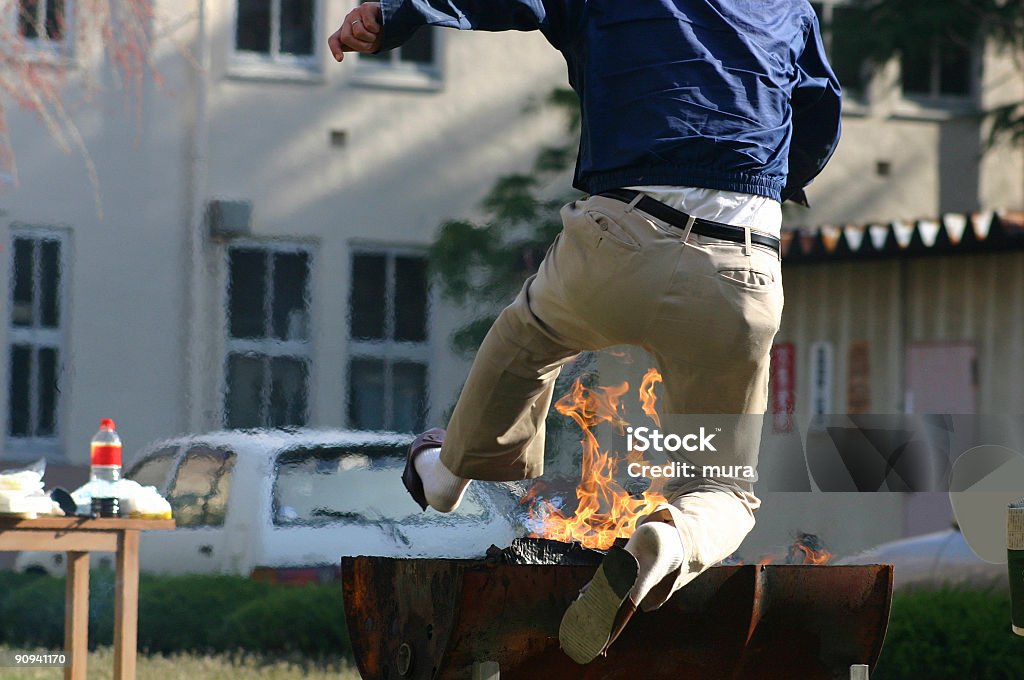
199 495
322 486
154 469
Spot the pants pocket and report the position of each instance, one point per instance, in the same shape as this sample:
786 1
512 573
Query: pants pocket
607 229
747 278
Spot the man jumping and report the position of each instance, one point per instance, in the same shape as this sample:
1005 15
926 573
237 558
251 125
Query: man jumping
699 117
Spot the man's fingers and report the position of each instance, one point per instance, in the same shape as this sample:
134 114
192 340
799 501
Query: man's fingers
369 13
334 43
360 31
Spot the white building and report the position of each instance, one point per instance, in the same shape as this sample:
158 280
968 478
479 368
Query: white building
259 259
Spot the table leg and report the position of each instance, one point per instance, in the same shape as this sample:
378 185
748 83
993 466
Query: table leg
76 615
126 605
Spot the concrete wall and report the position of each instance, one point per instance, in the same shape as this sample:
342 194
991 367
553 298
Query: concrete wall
933 148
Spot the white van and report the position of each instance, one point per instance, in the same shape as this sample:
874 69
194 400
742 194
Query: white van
287 505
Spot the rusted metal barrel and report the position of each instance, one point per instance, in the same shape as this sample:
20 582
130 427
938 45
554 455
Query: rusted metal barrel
433 619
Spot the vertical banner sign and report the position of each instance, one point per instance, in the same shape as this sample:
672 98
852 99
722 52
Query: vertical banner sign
858 383
821 378
783 382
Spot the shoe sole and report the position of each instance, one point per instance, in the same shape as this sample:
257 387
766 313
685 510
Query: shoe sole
588 622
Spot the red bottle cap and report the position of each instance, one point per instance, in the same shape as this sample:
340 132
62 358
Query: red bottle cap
106 424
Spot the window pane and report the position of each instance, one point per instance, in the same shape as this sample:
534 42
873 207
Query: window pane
27 13
297 27
410 299
366 394
20 372
335 486
409 382
848 52
916 69
46 424
199 495
253 30
154 470
954 70
419 49
247 292
291 277
55 19
367 303
244 391
288 392
49 284
22 313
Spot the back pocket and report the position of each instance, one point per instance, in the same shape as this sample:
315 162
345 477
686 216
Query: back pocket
747 278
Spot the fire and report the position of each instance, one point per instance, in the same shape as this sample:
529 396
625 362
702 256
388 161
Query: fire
606 511
647 396
805 549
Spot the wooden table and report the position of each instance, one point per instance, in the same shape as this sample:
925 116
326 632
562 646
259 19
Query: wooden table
78 537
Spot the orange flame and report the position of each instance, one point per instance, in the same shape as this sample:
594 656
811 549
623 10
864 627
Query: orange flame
813 556
647 396
605 511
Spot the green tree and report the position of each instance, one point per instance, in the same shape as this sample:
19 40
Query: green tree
481 266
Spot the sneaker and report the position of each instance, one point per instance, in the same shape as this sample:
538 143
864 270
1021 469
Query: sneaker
432 438
597 617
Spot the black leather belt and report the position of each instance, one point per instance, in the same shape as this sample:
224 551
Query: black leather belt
678 219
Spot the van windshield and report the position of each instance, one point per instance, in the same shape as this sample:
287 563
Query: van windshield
321 486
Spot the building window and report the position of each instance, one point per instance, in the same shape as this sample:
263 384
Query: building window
416 64
268 345
41 20
841 31
387 372
36 338
935 69
417 54
280 32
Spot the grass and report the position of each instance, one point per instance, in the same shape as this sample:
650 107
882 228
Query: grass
191 667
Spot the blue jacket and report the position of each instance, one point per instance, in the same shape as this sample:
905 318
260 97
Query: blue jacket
720 94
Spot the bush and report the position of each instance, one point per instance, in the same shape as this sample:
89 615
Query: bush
184 613
951 634
313 616
188 612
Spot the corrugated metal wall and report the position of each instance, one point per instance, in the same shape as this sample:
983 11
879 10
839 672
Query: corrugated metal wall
893 303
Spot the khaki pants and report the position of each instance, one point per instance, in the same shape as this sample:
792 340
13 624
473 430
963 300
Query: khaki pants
706 309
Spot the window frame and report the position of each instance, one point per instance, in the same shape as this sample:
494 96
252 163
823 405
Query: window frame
935 98
248 64
397 74
269 348
855 100
35 337
46 49
389 351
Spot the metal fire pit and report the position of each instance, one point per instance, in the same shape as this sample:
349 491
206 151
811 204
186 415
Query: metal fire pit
438 619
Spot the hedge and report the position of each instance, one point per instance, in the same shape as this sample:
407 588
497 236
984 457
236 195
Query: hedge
184 613
951 634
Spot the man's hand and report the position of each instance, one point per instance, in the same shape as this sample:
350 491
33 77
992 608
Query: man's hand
360 32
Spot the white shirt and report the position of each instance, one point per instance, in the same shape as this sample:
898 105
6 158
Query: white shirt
729 207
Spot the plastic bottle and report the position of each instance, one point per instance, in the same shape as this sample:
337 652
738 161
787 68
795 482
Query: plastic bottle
105 469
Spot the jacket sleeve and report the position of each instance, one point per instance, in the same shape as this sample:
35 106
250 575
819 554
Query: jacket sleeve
816 116
403 17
